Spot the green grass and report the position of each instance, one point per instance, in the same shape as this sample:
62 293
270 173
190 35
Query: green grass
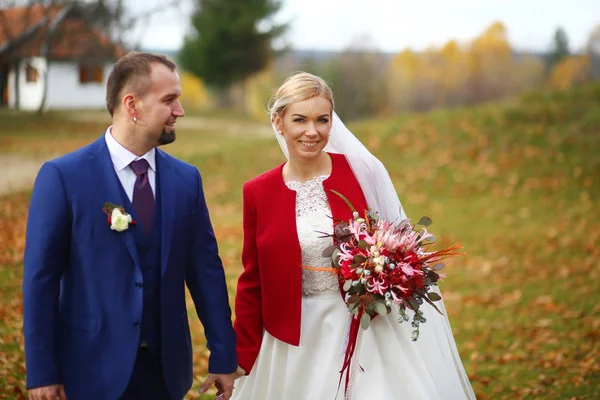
516 183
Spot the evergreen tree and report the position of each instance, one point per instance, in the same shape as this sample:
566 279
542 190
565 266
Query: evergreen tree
232 40
560 47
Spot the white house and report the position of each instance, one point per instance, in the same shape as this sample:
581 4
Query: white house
53 51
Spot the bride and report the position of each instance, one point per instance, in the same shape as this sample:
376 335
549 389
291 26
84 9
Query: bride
291 320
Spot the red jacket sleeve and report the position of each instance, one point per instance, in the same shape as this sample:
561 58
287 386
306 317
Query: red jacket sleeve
248 302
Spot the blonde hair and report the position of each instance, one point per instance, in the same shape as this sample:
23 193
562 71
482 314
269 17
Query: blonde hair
299 86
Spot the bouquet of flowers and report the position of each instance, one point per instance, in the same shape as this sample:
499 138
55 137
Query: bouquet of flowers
381 263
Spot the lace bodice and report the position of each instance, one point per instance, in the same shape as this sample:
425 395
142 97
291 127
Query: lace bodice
313 215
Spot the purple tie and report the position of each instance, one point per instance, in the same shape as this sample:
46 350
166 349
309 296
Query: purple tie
143 199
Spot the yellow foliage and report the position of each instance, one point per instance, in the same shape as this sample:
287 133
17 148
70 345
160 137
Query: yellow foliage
402 73
482 69
569 72
194 96
257 91
491 63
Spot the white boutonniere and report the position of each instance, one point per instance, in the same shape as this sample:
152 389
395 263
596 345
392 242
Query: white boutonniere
118 219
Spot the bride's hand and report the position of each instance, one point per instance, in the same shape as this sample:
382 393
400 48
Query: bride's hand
239 373
223 383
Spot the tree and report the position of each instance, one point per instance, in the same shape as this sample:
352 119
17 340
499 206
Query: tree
232 40
593 50
490 64
357 78
560 47
570 72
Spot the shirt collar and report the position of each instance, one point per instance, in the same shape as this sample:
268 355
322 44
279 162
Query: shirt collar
121 157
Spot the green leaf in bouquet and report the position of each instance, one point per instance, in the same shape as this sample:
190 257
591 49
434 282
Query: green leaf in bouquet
432 276
335 255
359 289
353 299
433 296
432 305
425 221
340 230
363 245
429 239
370 308
419 229
328 252
438 267
357 261
381 308
347 285
413 304
365 321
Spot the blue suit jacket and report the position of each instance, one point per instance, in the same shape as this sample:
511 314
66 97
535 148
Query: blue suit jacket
81 304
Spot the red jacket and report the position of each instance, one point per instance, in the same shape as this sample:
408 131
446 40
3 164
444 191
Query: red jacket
269 292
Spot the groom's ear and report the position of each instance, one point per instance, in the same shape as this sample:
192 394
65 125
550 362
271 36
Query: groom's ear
129 105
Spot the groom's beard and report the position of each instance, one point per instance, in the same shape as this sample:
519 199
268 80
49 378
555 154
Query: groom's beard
166 137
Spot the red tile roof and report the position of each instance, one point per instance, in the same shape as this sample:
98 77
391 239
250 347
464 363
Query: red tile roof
14 21
73 38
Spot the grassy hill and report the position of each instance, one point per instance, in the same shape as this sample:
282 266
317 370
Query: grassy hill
517 183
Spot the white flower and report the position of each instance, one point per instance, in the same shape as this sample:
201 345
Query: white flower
119 221
379 261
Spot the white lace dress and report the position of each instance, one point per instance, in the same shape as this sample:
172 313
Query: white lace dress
311 370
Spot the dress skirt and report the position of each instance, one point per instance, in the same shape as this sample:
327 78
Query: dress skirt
388 364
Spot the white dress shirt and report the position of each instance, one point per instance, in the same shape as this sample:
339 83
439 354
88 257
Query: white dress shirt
121 158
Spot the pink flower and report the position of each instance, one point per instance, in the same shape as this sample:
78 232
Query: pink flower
357 229
378 286
395 298
407 269
345 253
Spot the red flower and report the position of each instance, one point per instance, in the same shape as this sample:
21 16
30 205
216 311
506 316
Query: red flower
395 276
411 257
418 281
347 272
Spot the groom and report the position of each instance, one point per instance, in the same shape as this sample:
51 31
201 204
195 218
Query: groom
115 232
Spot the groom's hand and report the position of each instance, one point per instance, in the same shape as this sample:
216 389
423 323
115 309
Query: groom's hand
48 393
223 383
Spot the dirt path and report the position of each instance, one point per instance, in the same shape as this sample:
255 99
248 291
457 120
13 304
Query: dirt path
20 172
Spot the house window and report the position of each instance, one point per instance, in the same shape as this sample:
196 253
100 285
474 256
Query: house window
31 74
91 74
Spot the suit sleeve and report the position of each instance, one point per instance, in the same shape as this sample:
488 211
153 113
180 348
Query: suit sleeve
205 278
248 302
46 257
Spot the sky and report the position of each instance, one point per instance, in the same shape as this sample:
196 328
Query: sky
394 25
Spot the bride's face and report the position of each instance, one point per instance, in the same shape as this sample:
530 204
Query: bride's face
305 125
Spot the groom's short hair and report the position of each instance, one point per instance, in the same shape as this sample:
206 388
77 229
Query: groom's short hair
133 70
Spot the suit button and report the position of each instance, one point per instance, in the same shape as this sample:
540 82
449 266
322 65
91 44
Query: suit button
138 285
136 324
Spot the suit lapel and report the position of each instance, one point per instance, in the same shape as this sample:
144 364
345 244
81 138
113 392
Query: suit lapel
166 179
103 168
